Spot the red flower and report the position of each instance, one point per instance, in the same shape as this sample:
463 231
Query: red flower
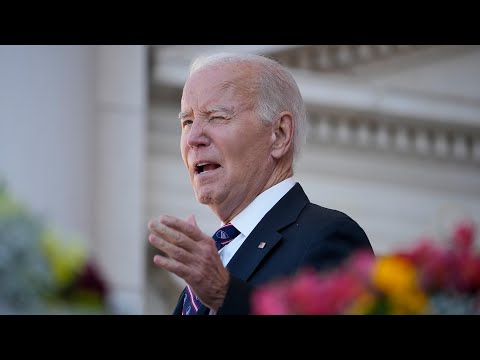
463 236
360 264
90 279
467 274
433 262
270 300
434 279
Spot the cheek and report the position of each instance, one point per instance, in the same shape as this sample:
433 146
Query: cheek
250 157
257 146
184 151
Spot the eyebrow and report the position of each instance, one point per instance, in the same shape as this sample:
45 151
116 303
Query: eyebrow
183 114
220 108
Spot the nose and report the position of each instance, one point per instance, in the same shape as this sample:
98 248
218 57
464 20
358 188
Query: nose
197 136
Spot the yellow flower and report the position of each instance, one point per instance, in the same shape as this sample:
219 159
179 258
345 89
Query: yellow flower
362 305
397 279
414 302
65 259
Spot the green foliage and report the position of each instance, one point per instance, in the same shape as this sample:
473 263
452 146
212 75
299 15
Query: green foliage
24 271
40 272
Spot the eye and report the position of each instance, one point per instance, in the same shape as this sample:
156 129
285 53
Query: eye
187 122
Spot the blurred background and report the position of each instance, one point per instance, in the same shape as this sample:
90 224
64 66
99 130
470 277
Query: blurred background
89 152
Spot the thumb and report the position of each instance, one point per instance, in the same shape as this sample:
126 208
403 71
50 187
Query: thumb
191 220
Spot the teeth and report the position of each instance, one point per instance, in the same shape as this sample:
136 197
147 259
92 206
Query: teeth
202 164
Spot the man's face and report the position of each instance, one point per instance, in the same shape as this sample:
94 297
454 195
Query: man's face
225 147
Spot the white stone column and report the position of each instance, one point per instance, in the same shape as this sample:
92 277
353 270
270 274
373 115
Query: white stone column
120 225
46 128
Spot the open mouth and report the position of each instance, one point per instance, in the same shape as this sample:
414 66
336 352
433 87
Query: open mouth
205 167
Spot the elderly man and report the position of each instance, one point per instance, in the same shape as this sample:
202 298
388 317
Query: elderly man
243 120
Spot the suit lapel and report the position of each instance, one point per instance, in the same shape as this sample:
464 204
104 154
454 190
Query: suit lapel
252 251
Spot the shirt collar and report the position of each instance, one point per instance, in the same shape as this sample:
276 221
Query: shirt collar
249 217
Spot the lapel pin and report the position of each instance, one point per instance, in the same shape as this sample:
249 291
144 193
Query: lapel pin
262 245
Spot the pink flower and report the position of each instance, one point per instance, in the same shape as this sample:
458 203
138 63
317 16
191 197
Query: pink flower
467 272
463 236
270 300
433 263
427 278
361 265
323 295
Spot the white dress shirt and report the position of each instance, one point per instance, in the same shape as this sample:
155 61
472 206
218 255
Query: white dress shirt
246 220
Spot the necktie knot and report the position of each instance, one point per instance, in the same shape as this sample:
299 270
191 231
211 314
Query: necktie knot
224 235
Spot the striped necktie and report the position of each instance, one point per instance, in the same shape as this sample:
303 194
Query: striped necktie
224 235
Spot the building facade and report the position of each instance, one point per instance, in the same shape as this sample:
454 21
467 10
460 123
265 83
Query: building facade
393 138
90 140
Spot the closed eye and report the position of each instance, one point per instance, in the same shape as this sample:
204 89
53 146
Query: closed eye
217 118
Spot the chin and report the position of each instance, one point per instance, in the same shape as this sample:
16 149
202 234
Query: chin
210 194
204 198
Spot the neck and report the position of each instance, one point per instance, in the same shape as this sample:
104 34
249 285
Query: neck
283 170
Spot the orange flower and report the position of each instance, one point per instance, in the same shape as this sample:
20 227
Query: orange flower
426 279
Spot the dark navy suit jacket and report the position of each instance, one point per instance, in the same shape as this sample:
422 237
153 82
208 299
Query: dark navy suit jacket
298 234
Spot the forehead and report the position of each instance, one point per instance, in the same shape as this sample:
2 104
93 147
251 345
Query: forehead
224 82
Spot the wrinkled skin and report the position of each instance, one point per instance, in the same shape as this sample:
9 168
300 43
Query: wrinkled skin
240 157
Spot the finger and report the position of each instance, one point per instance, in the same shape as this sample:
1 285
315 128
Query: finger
172 265
152 224
174 237
191 220
159 227
190 230
173 251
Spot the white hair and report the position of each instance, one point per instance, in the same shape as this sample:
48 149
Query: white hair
276 90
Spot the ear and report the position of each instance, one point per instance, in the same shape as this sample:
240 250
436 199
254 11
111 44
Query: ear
283 135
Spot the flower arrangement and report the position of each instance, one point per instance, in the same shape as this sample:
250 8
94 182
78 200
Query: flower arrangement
428 278
39 271
79 285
